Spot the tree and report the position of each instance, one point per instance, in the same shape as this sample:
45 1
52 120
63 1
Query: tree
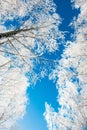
71 80
72 88
27 30
12 97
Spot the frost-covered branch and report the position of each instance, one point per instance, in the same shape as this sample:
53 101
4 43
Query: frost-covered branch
71 79
27 30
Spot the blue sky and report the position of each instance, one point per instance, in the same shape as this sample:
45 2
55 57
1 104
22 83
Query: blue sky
45 90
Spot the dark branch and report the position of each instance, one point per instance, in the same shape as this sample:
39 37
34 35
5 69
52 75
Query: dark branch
14 32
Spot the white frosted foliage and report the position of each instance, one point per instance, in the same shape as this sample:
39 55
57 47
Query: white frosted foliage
28 28
71 79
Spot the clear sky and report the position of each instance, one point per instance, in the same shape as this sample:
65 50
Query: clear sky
45 90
